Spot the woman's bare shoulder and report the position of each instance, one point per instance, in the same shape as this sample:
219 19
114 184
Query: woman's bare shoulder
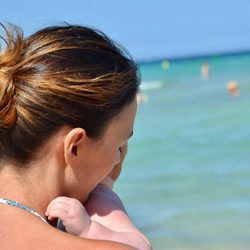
20 230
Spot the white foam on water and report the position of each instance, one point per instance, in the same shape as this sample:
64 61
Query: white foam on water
151 85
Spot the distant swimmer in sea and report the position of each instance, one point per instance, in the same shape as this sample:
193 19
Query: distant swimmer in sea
205 71
165 64
233 88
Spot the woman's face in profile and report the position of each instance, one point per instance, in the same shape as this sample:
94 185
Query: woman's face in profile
99 156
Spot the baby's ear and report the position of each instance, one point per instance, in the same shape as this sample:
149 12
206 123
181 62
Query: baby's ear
72 141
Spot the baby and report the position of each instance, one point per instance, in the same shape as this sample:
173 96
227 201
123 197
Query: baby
103 216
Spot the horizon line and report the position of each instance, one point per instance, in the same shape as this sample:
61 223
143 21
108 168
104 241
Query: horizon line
194 57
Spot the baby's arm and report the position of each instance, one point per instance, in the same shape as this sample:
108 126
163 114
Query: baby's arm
77 222
106 209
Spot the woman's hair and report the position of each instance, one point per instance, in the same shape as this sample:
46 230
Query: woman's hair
62 75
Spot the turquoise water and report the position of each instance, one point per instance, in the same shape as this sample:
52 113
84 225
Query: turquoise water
186 179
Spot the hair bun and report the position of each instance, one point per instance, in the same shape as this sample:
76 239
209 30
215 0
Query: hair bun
9 57
7 106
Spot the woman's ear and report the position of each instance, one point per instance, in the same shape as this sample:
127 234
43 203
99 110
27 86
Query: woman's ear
72 141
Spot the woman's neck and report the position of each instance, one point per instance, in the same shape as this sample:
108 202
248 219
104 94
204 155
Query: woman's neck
33 188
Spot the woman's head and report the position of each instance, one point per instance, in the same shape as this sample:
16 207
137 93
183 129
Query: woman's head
64 75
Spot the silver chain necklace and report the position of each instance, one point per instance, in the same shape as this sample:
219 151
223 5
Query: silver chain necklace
17 204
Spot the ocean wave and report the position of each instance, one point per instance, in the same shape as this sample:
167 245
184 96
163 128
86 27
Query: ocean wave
151 85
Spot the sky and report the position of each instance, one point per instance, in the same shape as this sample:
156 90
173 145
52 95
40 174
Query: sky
149 29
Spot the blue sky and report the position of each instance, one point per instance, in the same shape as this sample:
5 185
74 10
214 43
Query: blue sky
149 29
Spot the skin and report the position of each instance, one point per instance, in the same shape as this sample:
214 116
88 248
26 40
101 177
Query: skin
95 220
70 164
116 171
105 208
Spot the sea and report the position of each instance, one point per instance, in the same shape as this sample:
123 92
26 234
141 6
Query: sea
186 179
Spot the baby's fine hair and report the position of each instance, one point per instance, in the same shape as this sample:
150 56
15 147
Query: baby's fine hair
62 75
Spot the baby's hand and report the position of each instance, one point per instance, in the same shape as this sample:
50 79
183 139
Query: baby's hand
72 214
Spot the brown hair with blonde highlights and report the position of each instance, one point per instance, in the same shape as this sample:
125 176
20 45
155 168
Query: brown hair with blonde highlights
61 75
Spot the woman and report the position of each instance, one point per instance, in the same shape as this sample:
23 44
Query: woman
67 107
